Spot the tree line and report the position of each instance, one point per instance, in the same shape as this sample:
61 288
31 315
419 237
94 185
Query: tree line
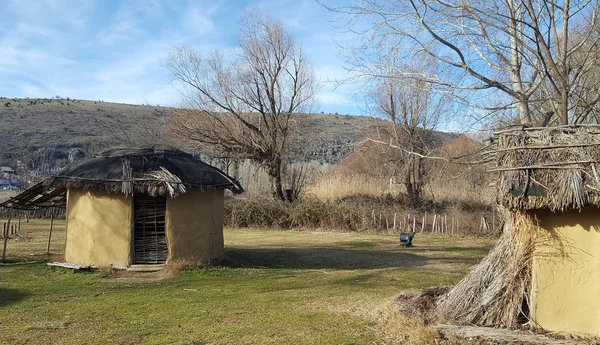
423 64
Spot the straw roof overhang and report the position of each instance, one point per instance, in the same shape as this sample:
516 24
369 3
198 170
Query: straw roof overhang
37 197
554 168
156 171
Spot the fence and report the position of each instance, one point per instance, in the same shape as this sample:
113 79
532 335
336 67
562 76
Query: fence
440 223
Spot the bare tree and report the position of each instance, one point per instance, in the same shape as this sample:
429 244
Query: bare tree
414 109
517 54
243 107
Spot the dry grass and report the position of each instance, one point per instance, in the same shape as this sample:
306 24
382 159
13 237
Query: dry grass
183 265
335 186
459 189
32 242
5 194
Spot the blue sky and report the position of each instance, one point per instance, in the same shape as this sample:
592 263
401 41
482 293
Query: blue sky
112 50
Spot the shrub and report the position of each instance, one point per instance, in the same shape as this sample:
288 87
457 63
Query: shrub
355 213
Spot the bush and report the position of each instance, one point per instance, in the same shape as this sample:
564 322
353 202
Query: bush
354 213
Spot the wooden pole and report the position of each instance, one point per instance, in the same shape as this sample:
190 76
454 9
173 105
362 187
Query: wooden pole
452 221
423 225
19 225
395 221
373 218
6 235
433 226
51 224
446 223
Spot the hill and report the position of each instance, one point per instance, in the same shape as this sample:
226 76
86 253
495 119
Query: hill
48 131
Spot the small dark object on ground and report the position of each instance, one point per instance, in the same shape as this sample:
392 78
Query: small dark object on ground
406 239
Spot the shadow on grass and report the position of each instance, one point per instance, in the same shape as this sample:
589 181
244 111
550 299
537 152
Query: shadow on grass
467 252
9 296
319 258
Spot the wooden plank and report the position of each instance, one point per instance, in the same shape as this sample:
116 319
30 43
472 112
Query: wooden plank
69 266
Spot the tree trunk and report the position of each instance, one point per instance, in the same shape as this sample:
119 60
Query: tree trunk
413 179
563 108
274 172
524 113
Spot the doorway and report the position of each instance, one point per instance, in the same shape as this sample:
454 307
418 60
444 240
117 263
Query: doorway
149 232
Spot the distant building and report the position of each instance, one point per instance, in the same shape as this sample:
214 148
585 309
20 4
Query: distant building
6 170
9 183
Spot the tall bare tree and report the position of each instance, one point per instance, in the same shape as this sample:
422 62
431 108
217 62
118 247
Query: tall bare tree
243 106
414 109
517 54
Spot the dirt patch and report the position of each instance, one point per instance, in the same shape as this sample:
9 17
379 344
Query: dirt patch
123 276
420 304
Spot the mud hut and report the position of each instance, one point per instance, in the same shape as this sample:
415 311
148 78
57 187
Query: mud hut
135 206
545 268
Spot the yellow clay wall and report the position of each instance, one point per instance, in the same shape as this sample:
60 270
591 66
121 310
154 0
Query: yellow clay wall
98 228
566 272
195 226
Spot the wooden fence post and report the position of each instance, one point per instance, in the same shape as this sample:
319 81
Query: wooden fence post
51 224
6 235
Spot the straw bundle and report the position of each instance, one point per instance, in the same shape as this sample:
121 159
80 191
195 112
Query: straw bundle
493 293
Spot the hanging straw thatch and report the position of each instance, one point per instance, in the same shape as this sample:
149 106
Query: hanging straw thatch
538 168
494 292
554 168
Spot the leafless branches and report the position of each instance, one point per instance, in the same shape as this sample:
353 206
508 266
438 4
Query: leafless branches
243 106
530 57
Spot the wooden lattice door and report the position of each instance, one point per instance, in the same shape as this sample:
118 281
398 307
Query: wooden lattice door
149 235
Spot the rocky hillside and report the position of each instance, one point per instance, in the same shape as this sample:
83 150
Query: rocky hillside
50 130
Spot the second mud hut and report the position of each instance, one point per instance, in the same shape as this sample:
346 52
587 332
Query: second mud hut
545 268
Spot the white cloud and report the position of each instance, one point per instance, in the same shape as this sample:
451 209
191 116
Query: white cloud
113 50
198 20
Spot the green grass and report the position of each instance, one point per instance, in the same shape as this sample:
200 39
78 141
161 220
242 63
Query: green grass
274 287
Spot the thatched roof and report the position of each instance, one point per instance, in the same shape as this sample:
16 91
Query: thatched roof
156 170
554 168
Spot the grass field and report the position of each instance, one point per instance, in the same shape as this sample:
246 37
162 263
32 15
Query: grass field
273 288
